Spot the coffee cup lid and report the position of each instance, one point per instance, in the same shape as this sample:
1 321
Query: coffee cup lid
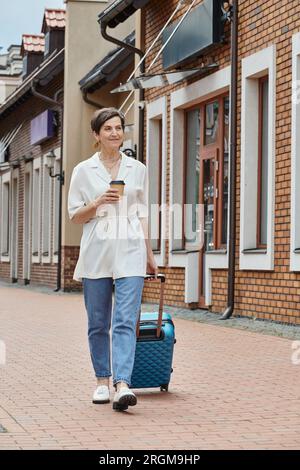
117 182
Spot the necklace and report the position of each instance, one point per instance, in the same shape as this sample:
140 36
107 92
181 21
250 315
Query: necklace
110 167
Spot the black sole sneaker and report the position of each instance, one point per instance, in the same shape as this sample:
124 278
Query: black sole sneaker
125 400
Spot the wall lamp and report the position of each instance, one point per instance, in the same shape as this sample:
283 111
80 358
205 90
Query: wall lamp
50 160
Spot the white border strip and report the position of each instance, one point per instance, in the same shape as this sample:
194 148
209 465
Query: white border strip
295 156
156 109
254 66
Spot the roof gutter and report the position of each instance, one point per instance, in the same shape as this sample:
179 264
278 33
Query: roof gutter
139 52
233 138
26 85
56 104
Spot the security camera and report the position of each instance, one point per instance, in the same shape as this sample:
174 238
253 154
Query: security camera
142 105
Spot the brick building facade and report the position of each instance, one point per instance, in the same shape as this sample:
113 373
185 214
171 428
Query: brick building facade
267 228
186 135
29 196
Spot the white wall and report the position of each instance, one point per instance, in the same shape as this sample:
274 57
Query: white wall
84 48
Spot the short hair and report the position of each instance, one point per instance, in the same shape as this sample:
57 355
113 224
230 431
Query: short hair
102 115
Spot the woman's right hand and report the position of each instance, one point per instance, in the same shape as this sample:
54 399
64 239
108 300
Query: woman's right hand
111 196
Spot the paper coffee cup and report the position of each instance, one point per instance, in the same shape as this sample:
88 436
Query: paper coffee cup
119 185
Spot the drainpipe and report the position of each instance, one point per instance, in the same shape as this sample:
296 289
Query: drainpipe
91 102
141 94
55 104
233 135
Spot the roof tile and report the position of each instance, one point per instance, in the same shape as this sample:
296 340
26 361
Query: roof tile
54 18
33 43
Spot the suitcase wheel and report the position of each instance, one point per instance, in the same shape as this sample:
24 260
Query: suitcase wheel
175 340
164 387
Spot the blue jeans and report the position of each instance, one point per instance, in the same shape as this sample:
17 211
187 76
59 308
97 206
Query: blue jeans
127 303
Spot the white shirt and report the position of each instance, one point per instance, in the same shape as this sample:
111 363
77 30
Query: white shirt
112 243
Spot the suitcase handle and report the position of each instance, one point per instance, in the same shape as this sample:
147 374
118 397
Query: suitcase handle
161 278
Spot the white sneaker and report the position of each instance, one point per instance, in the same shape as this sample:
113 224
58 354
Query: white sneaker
101 395
124 398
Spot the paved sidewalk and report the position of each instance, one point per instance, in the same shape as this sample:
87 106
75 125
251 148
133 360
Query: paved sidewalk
231 388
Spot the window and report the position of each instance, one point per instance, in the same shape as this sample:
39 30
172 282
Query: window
56 210
295 157
46 224
206 175
27 214
2 152
36 211
192 178
14 224
155 176
47 44
25 65
5 218
262 177
258 161
211 122
156 164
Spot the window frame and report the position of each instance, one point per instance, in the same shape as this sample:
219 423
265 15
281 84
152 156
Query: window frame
36 205
295 157
160 159
55 209
14 230
157 112
5 214
215 83
206 149
46 180
27 224
254 67
159 124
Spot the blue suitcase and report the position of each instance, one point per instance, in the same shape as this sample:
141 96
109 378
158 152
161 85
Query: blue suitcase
154 347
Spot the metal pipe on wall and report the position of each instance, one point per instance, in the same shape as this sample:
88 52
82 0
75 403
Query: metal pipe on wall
142 93
233 138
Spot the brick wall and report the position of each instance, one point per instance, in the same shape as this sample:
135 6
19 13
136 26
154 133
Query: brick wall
270 295
69 259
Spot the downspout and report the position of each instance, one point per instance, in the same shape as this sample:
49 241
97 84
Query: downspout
55 104
91 102
233 137
141 94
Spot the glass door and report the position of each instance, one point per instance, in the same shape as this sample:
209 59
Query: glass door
206 180
212 132
209 203
208 199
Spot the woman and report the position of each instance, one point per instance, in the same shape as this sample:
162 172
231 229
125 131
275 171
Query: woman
114 249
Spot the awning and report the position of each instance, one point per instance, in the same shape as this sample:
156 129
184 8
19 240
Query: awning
119 11
48 69
6 140
162 79
109 67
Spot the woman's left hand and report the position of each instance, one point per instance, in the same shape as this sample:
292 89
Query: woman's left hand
152 266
